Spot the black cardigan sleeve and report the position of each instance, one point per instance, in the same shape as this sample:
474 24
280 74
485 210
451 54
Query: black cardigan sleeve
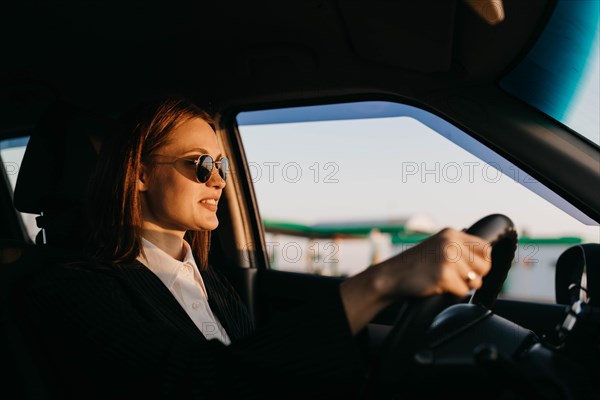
105 342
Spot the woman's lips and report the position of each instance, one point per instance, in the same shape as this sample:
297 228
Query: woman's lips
210 204
211 207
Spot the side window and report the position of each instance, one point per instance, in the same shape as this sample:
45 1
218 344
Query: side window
11 155
343 186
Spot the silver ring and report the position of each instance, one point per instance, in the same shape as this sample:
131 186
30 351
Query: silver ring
471 276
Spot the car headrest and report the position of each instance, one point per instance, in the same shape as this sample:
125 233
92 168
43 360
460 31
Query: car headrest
57 166
570 269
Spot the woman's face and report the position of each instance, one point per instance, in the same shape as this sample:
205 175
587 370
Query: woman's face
172 199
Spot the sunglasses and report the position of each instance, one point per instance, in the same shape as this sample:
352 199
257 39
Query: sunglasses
204 165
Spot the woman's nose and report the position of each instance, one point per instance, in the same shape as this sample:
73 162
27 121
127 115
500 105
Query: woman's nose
216 179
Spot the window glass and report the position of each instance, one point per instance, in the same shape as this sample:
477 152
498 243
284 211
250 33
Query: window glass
338 194
11 154
560 75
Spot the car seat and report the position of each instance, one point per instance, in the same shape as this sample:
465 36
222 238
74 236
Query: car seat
53 178
58 163
577 270
578 288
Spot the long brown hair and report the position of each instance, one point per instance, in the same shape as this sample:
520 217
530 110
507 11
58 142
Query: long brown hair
115 208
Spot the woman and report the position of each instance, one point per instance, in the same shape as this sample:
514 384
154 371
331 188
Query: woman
147 317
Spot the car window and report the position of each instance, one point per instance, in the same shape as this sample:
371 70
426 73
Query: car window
342 186
11 153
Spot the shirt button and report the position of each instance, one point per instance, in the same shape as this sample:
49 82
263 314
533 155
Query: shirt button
195 305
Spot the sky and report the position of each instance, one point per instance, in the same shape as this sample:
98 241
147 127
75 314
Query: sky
395 167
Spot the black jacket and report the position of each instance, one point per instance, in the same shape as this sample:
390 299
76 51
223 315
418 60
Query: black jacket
116 331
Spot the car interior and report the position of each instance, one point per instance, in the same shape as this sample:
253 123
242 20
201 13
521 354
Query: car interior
71 68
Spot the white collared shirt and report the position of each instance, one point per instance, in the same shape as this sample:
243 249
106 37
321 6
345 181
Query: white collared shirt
183 279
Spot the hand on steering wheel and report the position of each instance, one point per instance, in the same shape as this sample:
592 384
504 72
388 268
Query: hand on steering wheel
408 333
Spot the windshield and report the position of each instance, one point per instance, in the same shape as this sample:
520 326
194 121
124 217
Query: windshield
560 75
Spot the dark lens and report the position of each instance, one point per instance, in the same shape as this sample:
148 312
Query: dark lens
204 168
224 168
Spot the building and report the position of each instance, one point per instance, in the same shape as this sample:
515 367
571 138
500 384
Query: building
345 248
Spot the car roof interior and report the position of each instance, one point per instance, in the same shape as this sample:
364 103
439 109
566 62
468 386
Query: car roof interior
238 51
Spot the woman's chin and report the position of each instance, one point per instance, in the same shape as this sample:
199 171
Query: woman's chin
209 225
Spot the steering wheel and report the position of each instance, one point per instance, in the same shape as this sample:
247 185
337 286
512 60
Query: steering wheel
401 348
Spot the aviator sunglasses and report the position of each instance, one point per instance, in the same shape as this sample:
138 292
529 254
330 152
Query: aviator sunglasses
204 165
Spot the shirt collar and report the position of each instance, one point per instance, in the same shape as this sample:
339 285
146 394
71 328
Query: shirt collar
163 265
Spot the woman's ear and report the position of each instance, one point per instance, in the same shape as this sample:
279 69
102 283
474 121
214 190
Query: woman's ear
142 179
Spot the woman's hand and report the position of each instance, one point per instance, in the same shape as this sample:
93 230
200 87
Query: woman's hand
450 261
